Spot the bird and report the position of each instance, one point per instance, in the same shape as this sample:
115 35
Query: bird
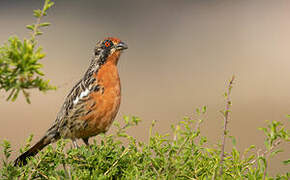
92 104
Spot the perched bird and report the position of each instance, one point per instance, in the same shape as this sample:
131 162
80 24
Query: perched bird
91 105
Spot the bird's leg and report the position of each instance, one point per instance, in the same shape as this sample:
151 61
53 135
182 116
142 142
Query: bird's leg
86 141
75 144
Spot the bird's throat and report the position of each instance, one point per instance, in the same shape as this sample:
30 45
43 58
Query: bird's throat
113 58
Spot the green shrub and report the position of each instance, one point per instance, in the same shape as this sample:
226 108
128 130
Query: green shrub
20 69
184 155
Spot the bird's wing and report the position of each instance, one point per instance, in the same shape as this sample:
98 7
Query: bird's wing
75 103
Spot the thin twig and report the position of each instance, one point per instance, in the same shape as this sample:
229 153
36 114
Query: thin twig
36 25
266 156
226 121
155 170
124 152
67 173
185 141
35 170
33 35
43 175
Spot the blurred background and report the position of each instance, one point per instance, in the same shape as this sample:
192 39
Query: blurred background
180 55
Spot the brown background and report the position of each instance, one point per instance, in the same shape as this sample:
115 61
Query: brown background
180 54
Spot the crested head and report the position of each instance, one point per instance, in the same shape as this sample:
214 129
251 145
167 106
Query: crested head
109 47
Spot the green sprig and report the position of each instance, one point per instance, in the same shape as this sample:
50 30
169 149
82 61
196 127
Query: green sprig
20 69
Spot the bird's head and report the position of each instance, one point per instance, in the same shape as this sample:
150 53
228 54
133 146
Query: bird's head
109 48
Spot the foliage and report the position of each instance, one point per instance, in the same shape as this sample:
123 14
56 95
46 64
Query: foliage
184 155
20 69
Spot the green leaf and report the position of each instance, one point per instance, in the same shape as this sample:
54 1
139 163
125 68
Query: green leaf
15 94
44 24
276 152
204 108
267 145
37 13
286 162
234 142
49 5
30 27
197 110
38 33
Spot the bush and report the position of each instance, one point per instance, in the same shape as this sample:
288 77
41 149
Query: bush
184 155
20 69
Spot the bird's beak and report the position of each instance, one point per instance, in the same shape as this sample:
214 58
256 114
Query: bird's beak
121 46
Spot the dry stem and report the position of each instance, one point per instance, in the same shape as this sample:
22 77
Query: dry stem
226 121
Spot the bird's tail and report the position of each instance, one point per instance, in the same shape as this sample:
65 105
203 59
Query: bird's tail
47 139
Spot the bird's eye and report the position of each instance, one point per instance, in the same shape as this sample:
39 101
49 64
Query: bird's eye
107 44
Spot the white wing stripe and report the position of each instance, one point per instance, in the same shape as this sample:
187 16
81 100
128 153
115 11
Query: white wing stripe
83 94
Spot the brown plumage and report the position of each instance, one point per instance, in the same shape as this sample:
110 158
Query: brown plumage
91 105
